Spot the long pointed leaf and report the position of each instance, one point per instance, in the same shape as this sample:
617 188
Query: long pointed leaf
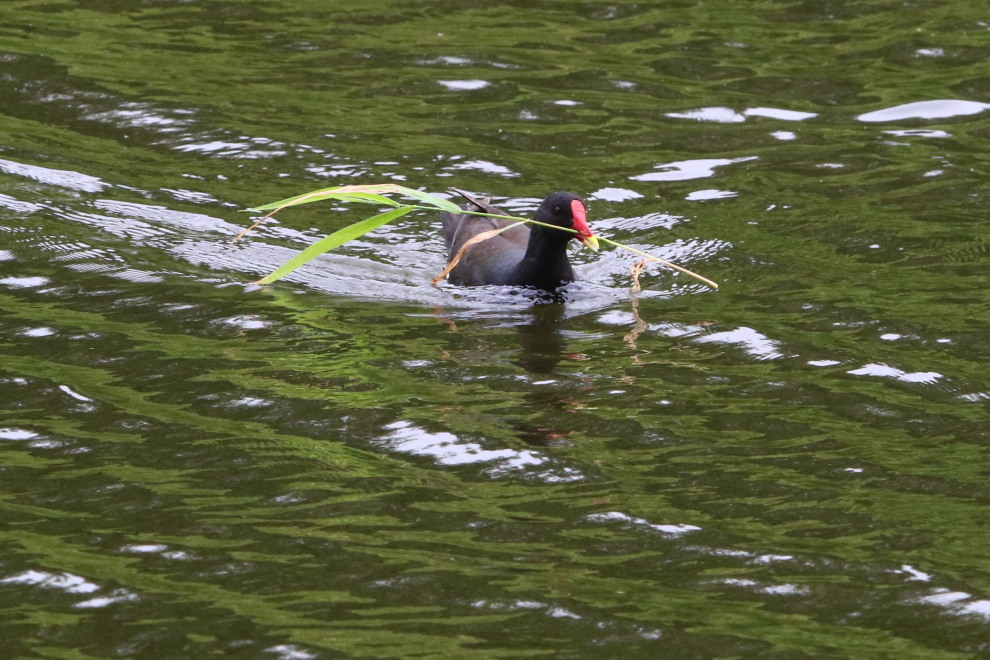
335 239
360 193
328 193
432 200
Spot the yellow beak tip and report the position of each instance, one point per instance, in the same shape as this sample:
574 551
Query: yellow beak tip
591 242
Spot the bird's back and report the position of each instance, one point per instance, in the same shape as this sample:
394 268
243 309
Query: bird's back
491 261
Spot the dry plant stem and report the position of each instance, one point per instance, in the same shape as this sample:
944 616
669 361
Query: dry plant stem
639 327
299 201
244 233
669 264
637 268
477 238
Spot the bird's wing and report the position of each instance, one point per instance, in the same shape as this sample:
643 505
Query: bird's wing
458 228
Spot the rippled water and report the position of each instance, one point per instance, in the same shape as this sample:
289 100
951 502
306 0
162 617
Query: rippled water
352 463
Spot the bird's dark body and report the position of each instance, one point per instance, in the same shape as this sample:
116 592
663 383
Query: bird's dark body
527 255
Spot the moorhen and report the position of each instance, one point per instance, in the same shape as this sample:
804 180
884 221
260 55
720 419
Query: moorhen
527 255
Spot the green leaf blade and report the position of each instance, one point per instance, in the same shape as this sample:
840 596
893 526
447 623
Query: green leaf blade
437 202
333 240
364 194
328 193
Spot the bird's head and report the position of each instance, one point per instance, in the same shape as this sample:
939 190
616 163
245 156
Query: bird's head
564 209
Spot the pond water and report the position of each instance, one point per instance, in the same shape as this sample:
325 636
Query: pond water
353 463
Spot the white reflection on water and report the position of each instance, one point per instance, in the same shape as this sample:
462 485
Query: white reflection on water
40 331
674 530
144 115
67 582
939 109
448 60
144 548
75 395
485 166
62 178
464 85
755 343
645 222
778 113
770 589
244 322
245 147
683 170
24 282
712 193
290 652
614 194
448 449
915 574
885 371
17 206
10 433
957 602
717 115
116 596
722 115
920 132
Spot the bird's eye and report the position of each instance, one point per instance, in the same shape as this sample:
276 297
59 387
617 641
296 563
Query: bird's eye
557 209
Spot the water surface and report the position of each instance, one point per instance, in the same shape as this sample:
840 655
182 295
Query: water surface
352 463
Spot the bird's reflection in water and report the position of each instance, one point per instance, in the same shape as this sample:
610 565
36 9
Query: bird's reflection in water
542 347
541 342
543 416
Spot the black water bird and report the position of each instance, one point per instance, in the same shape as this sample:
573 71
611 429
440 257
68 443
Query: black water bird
526 255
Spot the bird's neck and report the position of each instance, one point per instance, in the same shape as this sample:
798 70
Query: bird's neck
545 262
548 244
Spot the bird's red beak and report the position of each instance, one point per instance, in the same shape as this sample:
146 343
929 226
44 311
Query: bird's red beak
581 225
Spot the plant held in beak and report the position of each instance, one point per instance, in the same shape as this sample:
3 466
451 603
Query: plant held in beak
376 195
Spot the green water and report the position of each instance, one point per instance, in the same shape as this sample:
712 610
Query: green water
352 463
